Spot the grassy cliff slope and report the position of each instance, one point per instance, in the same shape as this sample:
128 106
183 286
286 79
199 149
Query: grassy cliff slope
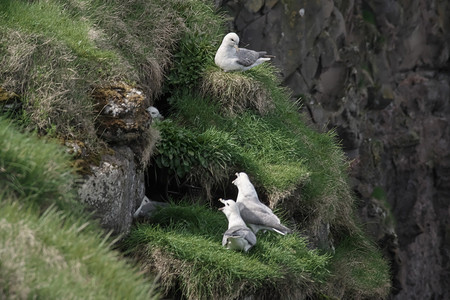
54 53
49 249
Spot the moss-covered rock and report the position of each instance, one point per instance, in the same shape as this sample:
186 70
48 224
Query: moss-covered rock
121 113
9 101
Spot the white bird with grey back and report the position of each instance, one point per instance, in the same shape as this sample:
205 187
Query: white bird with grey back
148 207
230 57
257 215
238 236
154 113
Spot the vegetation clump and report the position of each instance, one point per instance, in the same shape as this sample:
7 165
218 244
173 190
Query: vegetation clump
236 92
187 240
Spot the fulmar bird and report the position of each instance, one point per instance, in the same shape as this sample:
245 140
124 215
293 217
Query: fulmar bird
230 57
238 236
256 214
148 207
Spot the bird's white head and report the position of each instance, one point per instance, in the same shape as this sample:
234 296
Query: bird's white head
154 112
241 178
140 209
231 40
229 208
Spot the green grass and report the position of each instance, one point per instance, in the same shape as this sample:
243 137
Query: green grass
189 237
50 257
35 169
51 19
277 149
55 52
50 249
361 268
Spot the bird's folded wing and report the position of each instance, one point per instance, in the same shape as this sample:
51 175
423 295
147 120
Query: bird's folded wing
257 214
239 232
247 57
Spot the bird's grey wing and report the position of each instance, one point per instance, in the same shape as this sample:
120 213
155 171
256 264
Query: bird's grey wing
258 215
259 206
225 238
150 207
248 57
242 232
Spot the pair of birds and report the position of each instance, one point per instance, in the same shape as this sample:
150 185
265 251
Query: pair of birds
247 210
229 57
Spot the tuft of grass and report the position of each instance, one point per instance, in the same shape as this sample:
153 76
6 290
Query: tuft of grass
188 238
362 271
51 19
35 169
236 92
203 158
196 48
51 257
46 84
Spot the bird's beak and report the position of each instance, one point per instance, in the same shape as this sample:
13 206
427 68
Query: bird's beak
236 47
221 200
237 176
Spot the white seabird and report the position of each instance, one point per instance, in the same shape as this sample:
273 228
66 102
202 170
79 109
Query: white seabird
148 207
257 215
154 112
230 57
238 236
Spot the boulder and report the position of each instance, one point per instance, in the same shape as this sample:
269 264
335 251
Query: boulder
113 189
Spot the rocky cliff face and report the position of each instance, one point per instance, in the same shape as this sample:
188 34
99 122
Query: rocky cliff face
114 187
376 71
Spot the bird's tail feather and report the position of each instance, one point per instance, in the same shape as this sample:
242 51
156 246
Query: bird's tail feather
282 229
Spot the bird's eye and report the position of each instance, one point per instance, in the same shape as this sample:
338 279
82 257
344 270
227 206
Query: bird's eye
232 40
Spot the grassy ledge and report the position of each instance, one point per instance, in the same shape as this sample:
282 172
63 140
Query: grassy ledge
187 240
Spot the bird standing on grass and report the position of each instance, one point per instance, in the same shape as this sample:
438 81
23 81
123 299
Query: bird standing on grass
238 236
230 57
257 215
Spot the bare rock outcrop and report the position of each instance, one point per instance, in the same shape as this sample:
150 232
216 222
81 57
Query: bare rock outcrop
114 189
114 186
